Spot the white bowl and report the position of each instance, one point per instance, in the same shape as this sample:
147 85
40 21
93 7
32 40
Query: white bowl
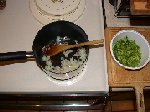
140 41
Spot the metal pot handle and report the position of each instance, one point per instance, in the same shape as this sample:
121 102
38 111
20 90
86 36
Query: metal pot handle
19 55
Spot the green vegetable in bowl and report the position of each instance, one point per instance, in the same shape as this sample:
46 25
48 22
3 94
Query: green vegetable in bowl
127 52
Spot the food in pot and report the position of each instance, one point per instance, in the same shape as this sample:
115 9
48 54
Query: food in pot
67 64
67 61
127 52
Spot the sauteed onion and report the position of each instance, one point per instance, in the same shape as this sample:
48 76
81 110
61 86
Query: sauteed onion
67 64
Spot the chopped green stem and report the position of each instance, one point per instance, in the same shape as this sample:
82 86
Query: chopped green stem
127 52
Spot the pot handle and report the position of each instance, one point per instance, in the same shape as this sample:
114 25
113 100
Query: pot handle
19 55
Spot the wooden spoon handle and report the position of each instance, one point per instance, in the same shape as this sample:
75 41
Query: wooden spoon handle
59 48
93 42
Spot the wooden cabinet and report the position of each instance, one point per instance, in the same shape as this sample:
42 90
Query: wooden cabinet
140 7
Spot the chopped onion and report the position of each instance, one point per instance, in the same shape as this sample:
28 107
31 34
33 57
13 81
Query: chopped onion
67 65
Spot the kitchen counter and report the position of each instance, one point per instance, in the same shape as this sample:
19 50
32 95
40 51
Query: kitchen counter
113 21
124 24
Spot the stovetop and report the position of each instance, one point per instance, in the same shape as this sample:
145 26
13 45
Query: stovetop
18 29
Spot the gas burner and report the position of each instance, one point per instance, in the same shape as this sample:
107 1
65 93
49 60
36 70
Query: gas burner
57 7
47 13
69 81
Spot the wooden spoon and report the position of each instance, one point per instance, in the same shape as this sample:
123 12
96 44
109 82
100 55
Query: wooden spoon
52 50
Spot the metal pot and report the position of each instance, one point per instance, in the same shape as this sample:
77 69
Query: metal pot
69 33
